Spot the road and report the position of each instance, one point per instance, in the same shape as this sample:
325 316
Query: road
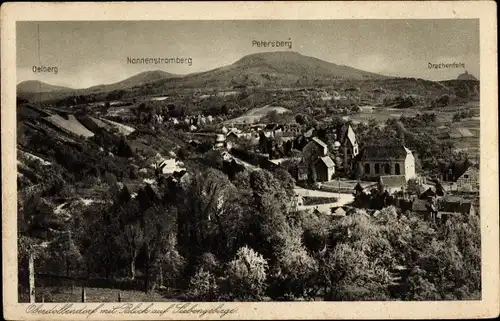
343 199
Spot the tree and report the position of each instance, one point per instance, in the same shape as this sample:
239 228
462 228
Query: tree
357 266
201 211
133 237
160 227
203 285
300 119
246 274
414 187
295 269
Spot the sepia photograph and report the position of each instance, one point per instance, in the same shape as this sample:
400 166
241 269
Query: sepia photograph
249 160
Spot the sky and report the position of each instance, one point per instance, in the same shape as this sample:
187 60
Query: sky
88 53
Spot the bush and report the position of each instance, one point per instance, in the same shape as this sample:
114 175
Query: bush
246 274
202 285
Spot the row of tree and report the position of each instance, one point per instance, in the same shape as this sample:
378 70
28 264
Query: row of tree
217 239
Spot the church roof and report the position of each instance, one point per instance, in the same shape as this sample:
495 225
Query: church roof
383 153
351 136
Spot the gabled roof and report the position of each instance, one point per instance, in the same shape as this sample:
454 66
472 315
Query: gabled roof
393 180
382 153
319 142
471 170
339 212
430 192
327 160
455 207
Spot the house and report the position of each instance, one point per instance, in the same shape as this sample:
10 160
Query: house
300 172
269 129
232 136
315 148
392 183
433 192
325 168
219 141
364 187
455 170
300 142
447 208
375 161
339 212
425 208
168 166
469 181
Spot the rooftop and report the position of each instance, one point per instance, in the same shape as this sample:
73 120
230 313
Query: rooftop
384 152
320 142
463 207
327 160
420 206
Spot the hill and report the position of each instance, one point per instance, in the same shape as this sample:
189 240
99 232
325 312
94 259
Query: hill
466 76
277 69
33 89
36 86
142 78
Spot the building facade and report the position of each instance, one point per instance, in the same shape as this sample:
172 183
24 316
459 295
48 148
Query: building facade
325 168
378 161
314 149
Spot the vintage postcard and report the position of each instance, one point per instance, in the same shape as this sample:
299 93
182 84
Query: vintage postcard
249 160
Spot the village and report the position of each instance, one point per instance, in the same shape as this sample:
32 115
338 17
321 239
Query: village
276 177
337 176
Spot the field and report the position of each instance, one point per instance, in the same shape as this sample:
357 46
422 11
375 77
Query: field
71 125
464 133
74 294
380 114
255 114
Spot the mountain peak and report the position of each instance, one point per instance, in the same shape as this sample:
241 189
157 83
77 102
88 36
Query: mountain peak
270 56
294 63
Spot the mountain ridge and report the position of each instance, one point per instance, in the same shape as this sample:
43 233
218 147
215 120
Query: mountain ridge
276 69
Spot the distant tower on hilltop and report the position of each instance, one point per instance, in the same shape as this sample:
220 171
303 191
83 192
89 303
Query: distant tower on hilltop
466 76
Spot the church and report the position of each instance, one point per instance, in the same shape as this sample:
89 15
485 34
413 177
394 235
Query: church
376 161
